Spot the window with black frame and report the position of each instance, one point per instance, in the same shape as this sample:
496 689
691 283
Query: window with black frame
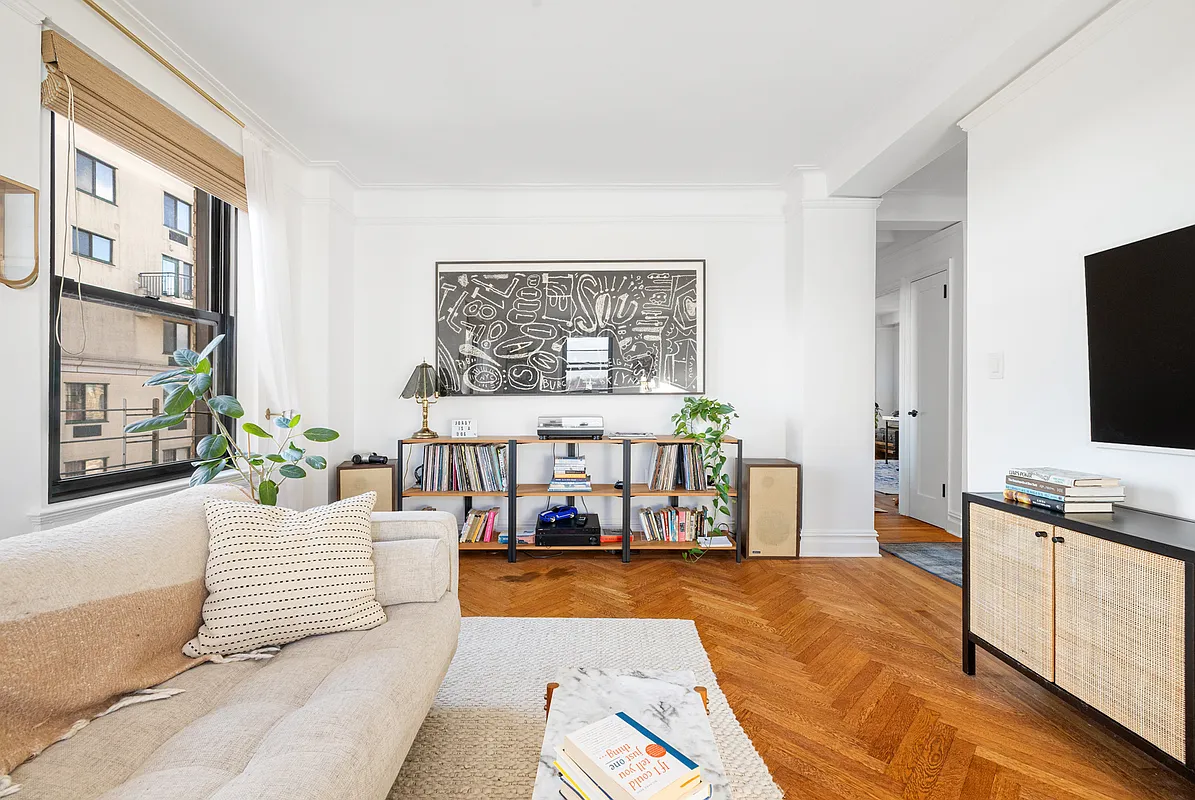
118 322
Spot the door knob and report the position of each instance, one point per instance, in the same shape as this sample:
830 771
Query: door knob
913 413
1057 539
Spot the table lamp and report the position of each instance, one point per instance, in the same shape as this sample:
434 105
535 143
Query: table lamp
422 386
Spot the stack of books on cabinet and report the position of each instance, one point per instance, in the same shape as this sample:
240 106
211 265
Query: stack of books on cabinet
569 475
479 526
1062 490
672 524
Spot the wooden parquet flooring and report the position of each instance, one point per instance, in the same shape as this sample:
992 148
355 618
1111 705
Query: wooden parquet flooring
845 674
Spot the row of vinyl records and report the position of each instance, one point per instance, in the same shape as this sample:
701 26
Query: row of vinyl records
464 468
674 465
667 524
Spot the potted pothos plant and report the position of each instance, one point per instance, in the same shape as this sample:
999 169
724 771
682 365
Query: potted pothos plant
262 472
706 421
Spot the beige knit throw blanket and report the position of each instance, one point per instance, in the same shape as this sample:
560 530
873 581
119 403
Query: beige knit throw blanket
94 611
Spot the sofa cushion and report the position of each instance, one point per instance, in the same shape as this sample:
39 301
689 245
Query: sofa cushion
275 575
412 571
330 716
95 610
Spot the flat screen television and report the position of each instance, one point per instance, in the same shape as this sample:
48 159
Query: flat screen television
1141 342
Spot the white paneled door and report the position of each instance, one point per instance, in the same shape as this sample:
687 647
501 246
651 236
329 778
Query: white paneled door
925 427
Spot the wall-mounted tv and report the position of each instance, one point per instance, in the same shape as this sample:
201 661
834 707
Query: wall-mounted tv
1141 342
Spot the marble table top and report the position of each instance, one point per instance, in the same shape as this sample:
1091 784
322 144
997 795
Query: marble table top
663 701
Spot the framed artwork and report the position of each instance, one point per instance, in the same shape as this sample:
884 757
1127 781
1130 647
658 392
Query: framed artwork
570 327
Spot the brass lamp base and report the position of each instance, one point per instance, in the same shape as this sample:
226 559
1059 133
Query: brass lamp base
425 434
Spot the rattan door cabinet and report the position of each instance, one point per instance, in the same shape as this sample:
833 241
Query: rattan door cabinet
1098 608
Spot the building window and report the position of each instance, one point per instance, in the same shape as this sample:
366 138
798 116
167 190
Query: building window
85 466
172 454
93 246
111 319
176 214
94 177
177 278
86 402
175 336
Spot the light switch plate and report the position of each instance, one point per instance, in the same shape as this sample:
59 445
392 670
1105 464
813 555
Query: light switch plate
996 366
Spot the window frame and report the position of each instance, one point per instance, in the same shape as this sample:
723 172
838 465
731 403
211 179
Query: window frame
90 254
94 162
84 461
216 226
190 212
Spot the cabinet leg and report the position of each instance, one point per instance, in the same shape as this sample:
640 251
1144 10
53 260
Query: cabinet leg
968 657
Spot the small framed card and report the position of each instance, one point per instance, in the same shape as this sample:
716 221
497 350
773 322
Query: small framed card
464 429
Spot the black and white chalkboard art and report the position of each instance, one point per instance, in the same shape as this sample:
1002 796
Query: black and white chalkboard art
570 327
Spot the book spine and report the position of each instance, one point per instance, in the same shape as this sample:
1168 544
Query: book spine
1034 500
1035 492
1043 477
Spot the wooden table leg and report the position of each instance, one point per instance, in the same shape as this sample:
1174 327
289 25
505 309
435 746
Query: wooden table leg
548 697
705 698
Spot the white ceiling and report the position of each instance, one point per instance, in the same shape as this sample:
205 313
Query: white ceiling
569 91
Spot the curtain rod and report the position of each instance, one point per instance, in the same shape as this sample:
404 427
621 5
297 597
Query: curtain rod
117 24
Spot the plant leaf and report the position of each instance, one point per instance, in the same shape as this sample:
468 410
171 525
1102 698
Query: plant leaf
282 422
253 429
186 358
292 453
277 459
228 405
321 434
292 471
154 423
204 366
316 462
294 421
205 473
199 384
212 345
178 400
213 445
267 493
170 376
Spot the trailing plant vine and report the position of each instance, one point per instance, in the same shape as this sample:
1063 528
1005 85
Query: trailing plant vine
706 421
263 473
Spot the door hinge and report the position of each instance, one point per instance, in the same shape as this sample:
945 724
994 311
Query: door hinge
943 490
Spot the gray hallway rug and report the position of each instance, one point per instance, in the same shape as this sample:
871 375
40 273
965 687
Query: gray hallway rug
483 735
943 559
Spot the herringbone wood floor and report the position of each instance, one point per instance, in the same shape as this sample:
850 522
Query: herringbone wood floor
845 674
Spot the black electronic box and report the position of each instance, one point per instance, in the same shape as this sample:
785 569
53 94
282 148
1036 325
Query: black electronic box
583 530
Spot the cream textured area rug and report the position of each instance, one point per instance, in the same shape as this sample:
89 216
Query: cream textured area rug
483 735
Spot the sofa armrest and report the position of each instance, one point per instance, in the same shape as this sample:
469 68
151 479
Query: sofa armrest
392 526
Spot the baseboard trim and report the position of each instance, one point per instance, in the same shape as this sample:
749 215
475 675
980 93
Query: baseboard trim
839 544
954 524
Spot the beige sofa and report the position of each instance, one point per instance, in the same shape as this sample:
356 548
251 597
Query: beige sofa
329 717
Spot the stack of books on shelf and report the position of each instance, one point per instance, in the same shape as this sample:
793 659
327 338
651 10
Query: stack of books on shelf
479 525
617 758
675 465
1063 490
569 475
672 524
464 468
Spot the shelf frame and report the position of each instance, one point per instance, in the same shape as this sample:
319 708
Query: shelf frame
514 492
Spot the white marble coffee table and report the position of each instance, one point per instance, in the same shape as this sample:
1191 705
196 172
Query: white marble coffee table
663 701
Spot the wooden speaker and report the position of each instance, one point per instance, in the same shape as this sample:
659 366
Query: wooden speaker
771 493
354 479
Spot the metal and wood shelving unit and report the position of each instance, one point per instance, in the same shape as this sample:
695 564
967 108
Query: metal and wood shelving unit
515 490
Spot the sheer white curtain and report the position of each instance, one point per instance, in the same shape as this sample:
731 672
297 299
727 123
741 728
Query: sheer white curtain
268 342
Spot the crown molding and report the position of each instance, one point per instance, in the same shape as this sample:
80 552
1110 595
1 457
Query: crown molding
565 187
843 202
1109 20
512 219
26 11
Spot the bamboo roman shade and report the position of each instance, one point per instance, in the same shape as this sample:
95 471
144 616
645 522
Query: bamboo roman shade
123 114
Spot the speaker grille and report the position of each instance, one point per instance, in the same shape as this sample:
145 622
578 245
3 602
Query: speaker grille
772 511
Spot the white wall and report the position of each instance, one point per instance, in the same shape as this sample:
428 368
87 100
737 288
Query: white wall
24 326
1090 150
401 234
945 250
887 367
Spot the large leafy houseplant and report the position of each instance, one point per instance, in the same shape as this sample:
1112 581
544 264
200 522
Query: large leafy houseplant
263 473
706 421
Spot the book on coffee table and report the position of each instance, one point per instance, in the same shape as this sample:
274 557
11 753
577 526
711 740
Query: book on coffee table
629 762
